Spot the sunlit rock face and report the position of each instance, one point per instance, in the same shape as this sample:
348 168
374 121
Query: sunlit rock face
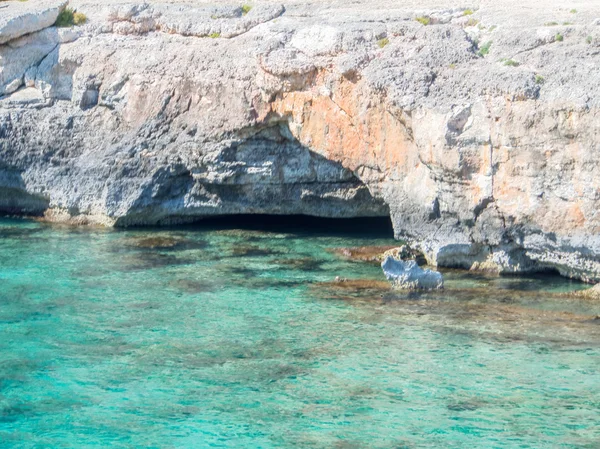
162 112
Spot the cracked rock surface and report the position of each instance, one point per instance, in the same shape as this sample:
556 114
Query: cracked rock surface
29 17
479 132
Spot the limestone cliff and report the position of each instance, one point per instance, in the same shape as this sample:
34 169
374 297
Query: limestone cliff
476 128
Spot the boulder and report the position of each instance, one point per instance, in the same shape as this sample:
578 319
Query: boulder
21 18
408 275
22 56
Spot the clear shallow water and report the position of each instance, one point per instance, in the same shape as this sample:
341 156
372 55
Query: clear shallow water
200 337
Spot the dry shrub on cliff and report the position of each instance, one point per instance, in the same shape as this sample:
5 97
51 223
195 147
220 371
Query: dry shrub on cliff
79 18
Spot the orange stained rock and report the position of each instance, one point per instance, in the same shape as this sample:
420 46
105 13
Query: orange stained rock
341 128
574 217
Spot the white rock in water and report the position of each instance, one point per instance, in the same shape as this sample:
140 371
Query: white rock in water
408 275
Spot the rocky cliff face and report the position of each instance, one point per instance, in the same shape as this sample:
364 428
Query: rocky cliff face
476 128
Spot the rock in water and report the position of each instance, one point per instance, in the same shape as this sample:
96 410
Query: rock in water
408 275
590 293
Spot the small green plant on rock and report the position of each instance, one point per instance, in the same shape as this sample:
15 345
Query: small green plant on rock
452 66
472 22
511 63
69 17
423 20
559 37
589 39
383 42
467 12
214 35
65 18
246 9
492 28
539 79
551 24
484 49
573 11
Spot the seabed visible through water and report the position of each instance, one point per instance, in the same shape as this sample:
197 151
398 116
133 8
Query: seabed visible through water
211 336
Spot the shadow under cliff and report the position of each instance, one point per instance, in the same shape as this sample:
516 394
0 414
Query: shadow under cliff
266 171
300 225
14 198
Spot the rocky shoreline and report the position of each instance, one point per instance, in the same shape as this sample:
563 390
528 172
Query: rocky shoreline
475 128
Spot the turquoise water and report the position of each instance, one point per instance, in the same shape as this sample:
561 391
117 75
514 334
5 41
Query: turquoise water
204 337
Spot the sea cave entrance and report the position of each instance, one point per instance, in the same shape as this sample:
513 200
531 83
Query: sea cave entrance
376 227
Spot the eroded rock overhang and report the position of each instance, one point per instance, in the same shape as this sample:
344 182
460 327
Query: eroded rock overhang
158 113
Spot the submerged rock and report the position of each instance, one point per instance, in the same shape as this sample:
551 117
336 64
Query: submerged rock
252 251
164 243
590 293
362 253
355 284
301 264
151 260
408 275
156 242
193 286
351 289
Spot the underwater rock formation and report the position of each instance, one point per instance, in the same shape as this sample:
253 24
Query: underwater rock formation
477 133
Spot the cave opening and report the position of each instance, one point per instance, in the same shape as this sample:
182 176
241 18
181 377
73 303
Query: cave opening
370 227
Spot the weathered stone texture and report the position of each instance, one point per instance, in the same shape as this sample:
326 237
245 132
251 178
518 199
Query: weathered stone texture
164 112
